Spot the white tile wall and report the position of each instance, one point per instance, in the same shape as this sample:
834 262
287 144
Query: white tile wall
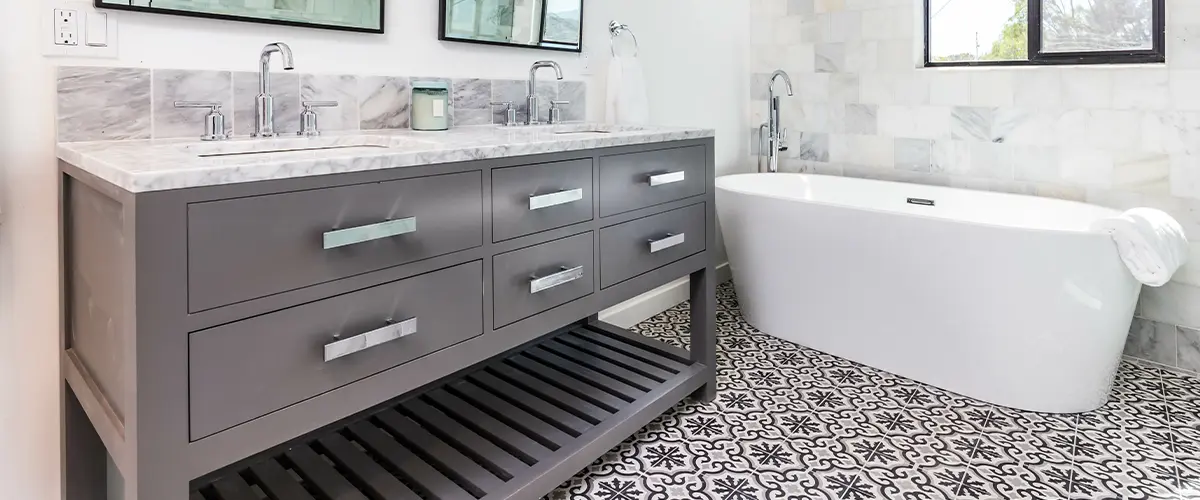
1120 136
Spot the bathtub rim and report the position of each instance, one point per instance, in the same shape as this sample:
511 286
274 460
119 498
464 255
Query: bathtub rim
1064 232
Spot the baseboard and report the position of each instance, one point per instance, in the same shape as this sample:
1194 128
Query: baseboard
649 304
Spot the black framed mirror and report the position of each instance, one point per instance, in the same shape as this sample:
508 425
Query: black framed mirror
539 24
364 16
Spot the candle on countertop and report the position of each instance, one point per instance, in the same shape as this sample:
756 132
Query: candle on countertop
430 106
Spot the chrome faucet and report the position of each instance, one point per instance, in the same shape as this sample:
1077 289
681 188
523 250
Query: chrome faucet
533 98
264 105
776 137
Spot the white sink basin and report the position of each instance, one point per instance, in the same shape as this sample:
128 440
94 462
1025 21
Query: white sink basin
342 144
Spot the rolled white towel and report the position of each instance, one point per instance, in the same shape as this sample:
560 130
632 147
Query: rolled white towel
1151 243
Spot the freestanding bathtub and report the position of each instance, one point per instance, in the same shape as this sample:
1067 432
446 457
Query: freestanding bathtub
1003 298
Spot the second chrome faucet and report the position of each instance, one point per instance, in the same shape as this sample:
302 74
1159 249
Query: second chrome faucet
264 104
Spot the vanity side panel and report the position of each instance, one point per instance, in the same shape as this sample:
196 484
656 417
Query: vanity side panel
95 276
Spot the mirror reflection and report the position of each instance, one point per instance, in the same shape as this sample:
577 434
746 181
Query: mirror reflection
547 24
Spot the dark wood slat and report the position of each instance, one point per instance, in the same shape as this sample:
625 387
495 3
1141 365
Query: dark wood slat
670 363
586 374
560 418
618 357
233 487
481 450
276 482
321 475
450 461
376 480
588 392
637 380
508 438
536 428
427 480
584 409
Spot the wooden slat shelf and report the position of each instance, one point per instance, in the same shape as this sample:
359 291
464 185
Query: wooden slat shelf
512 429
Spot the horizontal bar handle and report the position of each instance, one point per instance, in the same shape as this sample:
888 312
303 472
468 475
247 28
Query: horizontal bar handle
373 338
670 241
553 199
668 178
544 283
362 234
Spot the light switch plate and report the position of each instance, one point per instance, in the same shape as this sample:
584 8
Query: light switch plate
93 31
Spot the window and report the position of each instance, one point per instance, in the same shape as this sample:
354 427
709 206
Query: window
1024 32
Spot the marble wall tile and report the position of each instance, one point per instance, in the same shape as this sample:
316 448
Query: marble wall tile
576 93
801 8
1189 349
830 57
1142 172
383 102
1040 89
992 88
342 89
990 160
513 91
1005 121
1035 163
472 94
1087 88
971 123
172 85
1184 175
1173 303
758 86
810 146
843 88
103 103
948 156
1152 341
285 88
860 119
913 155
1087 166
950 89
1142 89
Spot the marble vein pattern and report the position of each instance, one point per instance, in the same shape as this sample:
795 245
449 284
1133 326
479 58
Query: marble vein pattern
1189 349
831 57
383 102
182 85
103 103
790 422
861 119
810 146
152 165
513 91
914 155
576 95
342 89
285 90
472 102
971 123
1153 341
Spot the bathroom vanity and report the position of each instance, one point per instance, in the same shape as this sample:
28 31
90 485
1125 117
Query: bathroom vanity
374 315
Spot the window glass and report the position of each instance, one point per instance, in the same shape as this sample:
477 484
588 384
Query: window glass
1097 25
978 30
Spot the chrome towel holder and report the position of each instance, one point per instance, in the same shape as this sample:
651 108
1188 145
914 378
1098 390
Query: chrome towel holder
616 29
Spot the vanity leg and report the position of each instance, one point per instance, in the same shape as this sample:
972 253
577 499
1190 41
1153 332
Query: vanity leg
704 327
85 460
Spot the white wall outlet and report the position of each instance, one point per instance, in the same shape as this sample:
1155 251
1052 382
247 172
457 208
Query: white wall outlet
66 27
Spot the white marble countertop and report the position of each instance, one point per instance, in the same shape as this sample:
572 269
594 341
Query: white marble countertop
156 165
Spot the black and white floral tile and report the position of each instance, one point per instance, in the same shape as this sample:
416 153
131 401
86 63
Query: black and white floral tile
793 423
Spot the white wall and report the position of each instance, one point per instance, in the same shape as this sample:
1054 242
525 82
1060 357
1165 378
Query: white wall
694 52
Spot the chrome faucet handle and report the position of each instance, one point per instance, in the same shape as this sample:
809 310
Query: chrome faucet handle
510 112
556 111
214 121
308 117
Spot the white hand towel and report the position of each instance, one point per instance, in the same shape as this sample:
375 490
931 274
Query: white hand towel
1151 243
627 103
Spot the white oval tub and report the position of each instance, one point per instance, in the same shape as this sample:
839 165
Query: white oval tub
1003 298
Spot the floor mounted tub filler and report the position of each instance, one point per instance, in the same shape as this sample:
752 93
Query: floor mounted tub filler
1005 298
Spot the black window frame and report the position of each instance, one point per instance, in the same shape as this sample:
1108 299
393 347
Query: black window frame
1156 54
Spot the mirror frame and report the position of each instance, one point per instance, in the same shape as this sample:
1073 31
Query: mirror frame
578 49
100 4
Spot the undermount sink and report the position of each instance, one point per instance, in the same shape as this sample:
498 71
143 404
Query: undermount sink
292 150
574 132
278 145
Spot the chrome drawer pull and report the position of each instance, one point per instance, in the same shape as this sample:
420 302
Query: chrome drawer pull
359 343
668 242
544 283
560 198
362 234
667 178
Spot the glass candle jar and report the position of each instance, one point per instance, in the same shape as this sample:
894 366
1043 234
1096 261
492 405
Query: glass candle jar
430 106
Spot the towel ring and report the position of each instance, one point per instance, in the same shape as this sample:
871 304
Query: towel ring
615 29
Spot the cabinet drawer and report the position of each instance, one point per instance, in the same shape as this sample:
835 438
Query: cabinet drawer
531 280
639 180
535 198
244 370
246 248
642 245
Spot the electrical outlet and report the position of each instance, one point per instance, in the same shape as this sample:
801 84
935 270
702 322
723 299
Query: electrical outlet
66 27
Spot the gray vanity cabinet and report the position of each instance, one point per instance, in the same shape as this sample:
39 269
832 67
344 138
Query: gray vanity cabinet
428 331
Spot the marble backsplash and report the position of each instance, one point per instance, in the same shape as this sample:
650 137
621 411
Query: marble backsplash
108 103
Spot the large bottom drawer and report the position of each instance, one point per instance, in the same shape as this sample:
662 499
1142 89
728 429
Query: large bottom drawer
248 369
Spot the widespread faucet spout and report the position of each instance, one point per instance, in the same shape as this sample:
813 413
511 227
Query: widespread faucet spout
532 99
787 80
264 105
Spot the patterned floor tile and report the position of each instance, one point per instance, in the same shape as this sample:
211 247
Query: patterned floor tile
791 422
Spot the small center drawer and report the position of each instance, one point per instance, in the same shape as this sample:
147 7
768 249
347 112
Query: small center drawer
535 279
246 248
534 198
639 180
244 370
643 245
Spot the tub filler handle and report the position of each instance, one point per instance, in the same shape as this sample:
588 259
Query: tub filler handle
671 240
